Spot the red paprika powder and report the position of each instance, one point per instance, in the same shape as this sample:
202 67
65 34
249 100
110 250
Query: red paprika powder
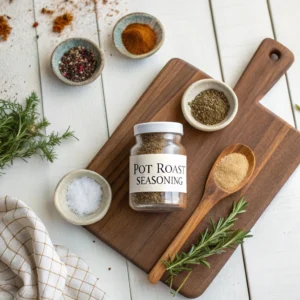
139 38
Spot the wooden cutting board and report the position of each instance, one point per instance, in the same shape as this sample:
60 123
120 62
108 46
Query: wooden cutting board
143 237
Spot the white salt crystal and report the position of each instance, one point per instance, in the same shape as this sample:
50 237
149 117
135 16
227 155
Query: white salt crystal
84 196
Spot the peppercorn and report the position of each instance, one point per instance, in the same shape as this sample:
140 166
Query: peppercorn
78 64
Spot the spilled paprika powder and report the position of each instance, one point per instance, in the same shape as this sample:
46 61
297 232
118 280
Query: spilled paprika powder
139 38
5 29
61 22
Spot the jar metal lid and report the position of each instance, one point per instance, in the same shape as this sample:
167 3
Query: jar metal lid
164 127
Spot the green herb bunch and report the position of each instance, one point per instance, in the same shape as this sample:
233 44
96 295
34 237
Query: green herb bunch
217 240
22 132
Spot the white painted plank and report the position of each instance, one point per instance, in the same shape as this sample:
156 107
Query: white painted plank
190 36
83 109
227 285
271 255
18 78
241 26
286 22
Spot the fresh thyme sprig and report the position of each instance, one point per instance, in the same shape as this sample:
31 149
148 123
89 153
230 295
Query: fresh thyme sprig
215 241
22 132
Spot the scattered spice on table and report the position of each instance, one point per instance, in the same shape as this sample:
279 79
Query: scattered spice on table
84 196
139 38
35 24
231 170
210 107
69 9
61 22
78 64
47 11
5 29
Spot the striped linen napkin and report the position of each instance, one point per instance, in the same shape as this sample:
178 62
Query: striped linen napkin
31 267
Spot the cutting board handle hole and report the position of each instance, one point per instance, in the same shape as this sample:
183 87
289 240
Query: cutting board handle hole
275 55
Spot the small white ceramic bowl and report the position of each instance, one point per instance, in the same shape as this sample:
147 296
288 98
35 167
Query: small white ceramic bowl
201 85
60 199
68 44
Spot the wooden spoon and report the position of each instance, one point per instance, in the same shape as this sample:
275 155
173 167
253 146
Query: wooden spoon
212 195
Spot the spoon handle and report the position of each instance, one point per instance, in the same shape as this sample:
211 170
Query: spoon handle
200 212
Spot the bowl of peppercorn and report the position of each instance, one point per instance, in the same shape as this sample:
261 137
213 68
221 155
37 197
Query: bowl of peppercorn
77 61
209 105
138 35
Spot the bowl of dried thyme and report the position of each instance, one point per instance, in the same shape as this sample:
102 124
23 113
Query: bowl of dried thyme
77 61
209 105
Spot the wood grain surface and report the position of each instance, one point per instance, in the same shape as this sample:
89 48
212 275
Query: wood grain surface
142 237
212 195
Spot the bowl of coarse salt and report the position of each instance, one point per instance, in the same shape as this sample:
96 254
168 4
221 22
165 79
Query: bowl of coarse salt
82 197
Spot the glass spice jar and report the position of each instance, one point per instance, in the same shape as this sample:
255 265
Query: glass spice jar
158 168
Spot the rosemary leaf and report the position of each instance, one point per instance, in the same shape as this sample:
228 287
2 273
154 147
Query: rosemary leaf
213 241
22 132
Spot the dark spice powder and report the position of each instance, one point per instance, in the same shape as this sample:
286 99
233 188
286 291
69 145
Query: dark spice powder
5 29
153 143
78 64
210 107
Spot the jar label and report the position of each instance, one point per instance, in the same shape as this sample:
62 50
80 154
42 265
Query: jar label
157 173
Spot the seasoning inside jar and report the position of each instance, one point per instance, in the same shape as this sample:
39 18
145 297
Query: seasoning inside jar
210 107
158 168
78 64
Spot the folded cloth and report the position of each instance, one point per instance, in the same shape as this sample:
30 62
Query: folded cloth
31 267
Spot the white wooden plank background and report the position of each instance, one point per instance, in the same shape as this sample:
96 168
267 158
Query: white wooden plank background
217 36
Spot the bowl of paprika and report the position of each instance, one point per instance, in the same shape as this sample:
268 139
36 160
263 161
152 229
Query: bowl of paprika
138 35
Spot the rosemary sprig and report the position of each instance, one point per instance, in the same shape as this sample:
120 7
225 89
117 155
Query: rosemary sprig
215 241
22 132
